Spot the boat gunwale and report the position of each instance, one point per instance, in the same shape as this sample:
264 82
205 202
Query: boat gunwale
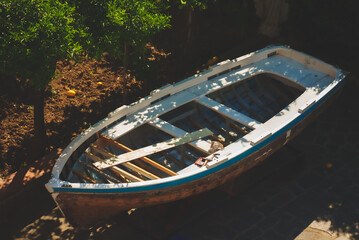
209 87
201 172
55 184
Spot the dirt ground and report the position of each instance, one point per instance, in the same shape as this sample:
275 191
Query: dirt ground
98 88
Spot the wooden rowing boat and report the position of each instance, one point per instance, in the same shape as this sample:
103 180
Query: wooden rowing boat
192 136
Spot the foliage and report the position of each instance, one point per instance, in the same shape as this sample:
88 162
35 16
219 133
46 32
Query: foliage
35 34
114 23
137 21
201 4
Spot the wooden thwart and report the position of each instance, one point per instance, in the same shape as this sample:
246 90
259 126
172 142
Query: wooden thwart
167 156
131 166
200 146
145 159
228 112
143 152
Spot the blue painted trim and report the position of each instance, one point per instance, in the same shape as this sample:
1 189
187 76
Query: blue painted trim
211 170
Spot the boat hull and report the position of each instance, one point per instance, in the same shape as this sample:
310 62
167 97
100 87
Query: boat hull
86 209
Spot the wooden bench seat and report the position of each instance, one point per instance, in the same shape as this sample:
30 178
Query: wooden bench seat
145 151
228 112
177 132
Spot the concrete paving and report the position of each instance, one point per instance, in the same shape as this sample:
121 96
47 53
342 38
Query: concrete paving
307 190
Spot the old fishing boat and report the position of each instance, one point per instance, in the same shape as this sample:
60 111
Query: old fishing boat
191 136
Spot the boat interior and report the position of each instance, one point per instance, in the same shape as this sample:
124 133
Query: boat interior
227 112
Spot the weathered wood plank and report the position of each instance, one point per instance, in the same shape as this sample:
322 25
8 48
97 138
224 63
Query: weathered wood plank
199 126
143 152
82 176
97 159
174 131
145 159
181 163
229 112
127 175
267 94
256 100
167 156
118 171
131 166
102 174
215 125
243 104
